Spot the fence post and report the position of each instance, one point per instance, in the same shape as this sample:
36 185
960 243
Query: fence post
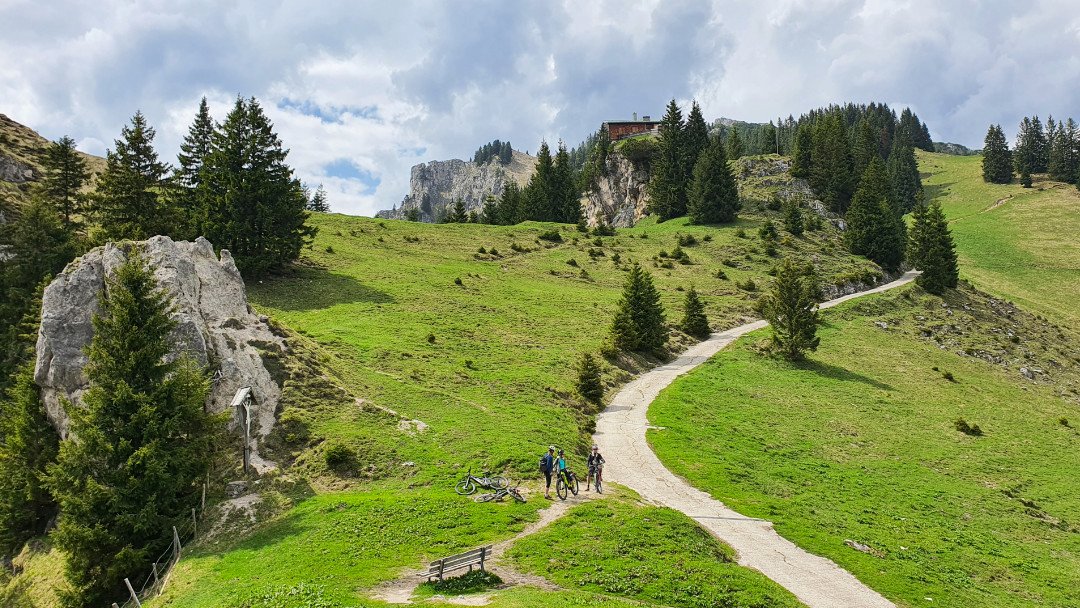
155 574
194 525
114 605
202 505
176 545
134 596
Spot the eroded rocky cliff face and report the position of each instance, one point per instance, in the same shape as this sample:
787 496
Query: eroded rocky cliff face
215 325
434 186
620 195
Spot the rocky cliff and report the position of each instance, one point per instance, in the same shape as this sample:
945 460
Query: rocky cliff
620 195
215 325
434 186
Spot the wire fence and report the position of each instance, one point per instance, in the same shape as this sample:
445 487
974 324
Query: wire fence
152 583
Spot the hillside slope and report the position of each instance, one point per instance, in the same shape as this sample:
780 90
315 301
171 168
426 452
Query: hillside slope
21 149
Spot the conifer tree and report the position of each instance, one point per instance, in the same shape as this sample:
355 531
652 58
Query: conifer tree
696 138
931 249
668 184
318 201
769 139
793 218
903 173
1062 163
511 205
997 166
566 206
694 321
865 148
64 177
194 150
735 147
489 214
538 194
1040 152
457 213
639 319
830 164
142 442
874 229
714 196
254 206
128 198
790 307
803 146
589 384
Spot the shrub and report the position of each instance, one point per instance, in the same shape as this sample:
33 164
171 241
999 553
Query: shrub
494 252
457 281
687 240
639 149
481 250
552 236
707 238
720 274
1064 422
602 229
972 430
596 253
948 376
749 285
589 385
616 258
477 580
339 457
768 233
518 248
329 249
740 233
572 262
431 338
599 242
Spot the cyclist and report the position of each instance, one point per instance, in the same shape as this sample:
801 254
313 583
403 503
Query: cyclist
547 467
560 462
596 466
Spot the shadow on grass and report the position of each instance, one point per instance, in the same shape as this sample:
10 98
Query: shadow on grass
935 190
835 372
314 289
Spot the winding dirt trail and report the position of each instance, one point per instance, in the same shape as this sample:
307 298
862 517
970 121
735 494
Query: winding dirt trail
620 433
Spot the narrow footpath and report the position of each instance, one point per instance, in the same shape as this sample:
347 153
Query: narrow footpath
620 434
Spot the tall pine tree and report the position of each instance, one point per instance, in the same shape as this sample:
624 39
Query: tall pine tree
668 184
874 229
904 173
538 195
694 321
830 164
194 150
696 138
714 197
803 149
639 320
790 307
129 194
735 147
64 177
931 249
997 166
566 206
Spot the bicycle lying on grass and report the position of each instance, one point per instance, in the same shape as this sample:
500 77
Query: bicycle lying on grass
500 494
567 481
470 483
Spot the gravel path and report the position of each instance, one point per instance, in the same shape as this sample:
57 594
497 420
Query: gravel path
620 434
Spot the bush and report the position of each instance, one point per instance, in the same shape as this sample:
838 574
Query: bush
329 249
948 376
552 236
494 252
720 274
740 233
686 240
707 238
472 582
457 281
603 229
481 250
589 385
639 149
518 248
339 457
972 430
749 285
431 338
572 262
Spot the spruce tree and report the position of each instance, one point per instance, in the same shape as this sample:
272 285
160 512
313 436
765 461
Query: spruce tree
714 196
639 320
793 218
318 202
874 229
668 184
694 321
142 443
769 139
997 166
830 164
489 214
589 384
194 150
566 206
511 205
457 213
1040 151
538 194
865 148
904 173
65 174
932 250
695 139
735 147
128 200
803 146
254 206
790 307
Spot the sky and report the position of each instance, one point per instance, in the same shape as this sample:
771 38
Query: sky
361 91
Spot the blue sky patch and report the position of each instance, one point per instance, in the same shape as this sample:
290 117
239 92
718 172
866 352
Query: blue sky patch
343 168
328 114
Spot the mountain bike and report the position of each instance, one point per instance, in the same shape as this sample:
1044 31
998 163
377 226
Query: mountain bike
567 480
470 483
596 472
500 494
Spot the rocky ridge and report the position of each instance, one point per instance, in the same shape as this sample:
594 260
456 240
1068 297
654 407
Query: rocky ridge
434 186
215 326
620 196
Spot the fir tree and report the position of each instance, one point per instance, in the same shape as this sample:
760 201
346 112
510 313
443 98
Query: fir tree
128 199
694 321
997 165
489 214
589 384
830 165
903 173
695 139
1040 151
194 150
142 442
1063 157
639 319
874 229
803 146
790 307
931 250
793 218
566 206
538 194
512 205
64 177
254 207
735 147
457 214
714 196
667 187
769 139
318 201
865 147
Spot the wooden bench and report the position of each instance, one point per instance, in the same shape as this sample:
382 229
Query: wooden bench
457 562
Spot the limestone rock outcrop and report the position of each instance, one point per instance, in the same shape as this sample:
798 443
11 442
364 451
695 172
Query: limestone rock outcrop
14 171
215 326
620 196
434 186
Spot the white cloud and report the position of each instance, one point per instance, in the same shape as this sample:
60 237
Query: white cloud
361 91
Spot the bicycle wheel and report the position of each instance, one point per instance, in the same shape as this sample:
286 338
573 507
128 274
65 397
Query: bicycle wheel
484 497
599 487
499 482
513 492
574 484
465 487
560 488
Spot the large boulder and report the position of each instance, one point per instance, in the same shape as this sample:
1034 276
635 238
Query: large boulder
215 325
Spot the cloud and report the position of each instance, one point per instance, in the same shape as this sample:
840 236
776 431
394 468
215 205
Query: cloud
359 92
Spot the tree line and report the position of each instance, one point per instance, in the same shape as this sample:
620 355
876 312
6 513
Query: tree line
500 150
1053 150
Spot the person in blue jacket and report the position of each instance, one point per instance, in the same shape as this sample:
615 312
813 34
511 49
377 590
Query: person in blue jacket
547 467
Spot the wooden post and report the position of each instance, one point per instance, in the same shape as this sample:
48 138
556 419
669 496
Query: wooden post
483 553
176 545
202 505
114 605
194 525
134 596
155 574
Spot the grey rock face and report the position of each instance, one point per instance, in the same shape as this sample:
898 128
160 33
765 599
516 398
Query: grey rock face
434 186
215 325
15 172
620 198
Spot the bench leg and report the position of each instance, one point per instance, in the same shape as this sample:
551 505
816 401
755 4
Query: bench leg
483 552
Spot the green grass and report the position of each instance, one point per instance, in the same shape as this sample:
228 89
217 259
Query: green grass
860 443
1024 249
621 547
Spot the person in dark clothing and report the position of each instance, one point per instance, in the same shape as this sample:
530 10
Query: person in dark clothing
596 466
547 467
